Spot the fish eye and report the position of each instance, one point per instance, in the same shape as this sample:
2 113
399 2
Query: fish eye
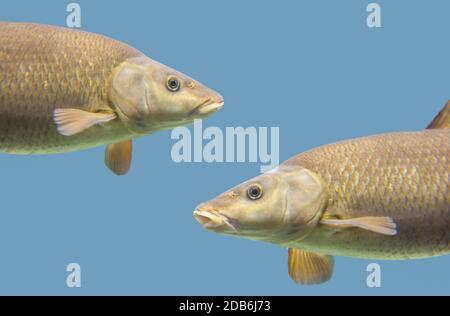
254 192
173 84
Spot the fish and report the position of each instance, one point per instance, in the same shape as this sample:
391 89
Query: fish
64 90
380 197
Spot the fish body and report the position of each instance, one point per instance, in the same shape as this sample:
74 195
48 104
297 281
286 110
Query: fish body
378 197
63 90
43 68
403 175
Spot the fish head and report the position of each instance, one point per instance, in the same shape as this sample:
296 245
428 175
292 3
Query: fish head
277 207
150 96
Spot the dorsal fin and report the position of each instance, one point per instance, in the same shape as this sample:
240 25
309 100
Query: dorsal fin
442 120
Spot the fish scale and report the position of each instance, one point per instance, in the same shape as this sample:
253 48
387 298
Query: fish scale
43 68
401 175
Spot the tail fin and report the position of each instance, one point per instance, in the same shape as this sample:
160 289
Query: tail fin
442 120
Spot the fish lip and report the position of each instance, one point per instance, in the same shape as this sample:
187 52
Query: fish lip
208 107
207 219
213 220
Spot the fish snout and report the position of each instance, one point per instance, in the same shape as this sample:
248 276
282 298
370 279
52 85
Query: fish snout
208 219
211 105
218 100
213 220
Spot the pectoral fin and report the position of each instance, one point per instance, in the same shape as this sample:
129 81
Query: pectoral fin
118 157
308 267
442 120
73 121
378 224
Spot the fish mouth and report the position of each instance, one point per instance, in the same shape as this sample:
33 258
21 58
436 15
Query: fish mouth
208 107
213 220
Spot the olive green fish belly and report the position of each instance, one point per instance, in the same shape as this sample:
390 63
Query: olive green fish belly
405 176
43 68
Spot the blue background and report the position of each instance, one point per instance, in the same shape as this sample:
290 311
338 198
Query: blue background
313 68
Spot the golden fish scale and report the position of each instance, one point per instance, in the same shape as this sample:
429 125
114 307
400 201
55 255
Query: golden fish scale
45 67
402 175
